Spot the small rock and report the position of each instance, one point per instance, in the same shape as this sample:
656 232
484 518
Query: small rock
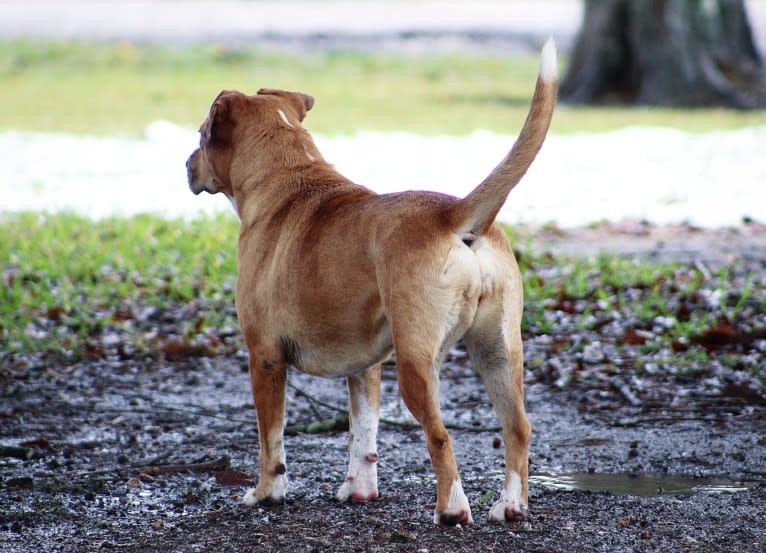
400 536
110 340
135 483
593 353
23 482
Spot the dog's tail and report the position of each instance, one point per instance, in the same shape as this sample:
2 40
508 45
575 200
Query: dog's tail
473 215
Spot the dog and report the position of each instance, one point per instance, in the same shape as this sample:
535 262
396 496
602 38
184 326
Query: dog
333 279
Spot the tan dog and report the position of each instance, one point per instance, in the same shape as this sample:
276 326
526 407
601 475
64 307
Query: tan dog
334 278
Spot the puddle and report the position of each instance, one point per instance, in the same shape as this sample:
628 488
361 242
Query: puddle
639 485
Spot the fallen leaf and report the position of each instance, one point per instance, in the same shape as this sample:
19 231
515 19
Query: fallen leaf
717 337
679 346
328 425
54 313
633 338
176 351
121 315
232 477
743 392
22 483
487 497
400 536
37 442
135 483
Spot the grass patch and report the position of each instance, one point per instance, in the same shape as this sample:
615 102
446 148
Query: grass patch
69 282
102 89
146 286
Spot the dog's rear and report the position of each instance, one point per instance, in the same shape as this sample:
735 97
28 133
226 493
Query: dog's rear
475 294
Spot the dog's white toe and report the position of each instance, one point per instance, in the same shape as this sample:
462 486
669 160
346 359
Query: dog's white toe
510 505
362 480
504 510
278 492
357 491
250 499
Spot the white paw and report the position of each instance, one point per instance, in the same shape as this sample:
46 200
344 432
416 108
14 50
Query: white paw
362 481
458 511
278 491
504 510
510 505
250 498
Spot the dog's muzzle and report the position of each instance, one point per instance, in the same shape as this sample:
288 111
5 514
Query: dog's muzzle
191 173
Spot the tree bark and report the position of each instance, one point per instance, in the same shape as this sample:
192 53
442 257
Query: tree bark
666 52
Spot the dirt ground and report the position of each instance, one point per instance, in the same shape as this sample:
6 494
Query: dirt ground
685 472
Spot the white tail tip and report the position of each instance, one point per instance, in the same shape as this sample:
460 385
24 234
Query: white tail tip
548 67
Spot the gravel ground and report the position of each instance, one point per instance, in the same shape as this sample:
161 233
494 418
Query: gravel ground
94 428
682 471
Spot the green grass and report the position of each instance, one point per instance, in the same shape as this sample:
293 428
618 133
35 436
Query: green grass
120 88
68 280
73 287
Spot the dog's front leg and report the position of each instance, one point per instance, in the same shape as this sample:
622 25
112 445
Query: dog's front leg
361 482
268 379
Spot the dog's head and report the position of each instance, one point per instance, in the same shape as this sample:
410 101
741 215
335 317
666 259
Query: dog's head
264 125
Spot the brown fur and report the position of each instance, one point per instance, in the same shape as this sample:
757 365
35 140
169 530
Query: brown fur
333 278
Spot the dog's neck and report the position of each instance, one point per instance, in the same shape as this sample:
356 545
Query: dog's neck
263 157
261 200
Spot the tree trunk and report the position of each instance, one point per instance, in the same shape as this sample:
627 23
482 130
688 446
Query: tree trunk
666 52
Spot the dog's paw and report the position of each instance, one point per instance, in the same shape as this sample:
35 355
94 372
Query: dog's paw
506 510
262 494
463 518
510 507
355 491
458 511
361 482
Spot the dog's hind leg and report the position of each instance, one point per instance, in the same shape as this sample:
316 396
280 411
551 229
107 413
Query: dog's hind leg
361 482
268 380
429 310
419 386
420 336
494 344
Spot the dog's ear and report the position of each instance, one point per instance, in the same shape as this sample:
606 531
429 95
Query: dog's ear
219 121
299 101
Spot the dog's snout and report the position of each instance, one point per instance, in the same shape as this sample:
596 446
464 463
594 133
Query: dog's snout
191 173
199 174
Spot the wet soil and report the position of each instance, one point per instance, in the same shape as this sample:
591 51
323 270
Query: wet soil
154 455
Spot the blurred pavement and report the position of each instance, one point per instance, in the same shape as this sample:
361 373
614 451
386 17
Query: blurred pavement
489 25
497 26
